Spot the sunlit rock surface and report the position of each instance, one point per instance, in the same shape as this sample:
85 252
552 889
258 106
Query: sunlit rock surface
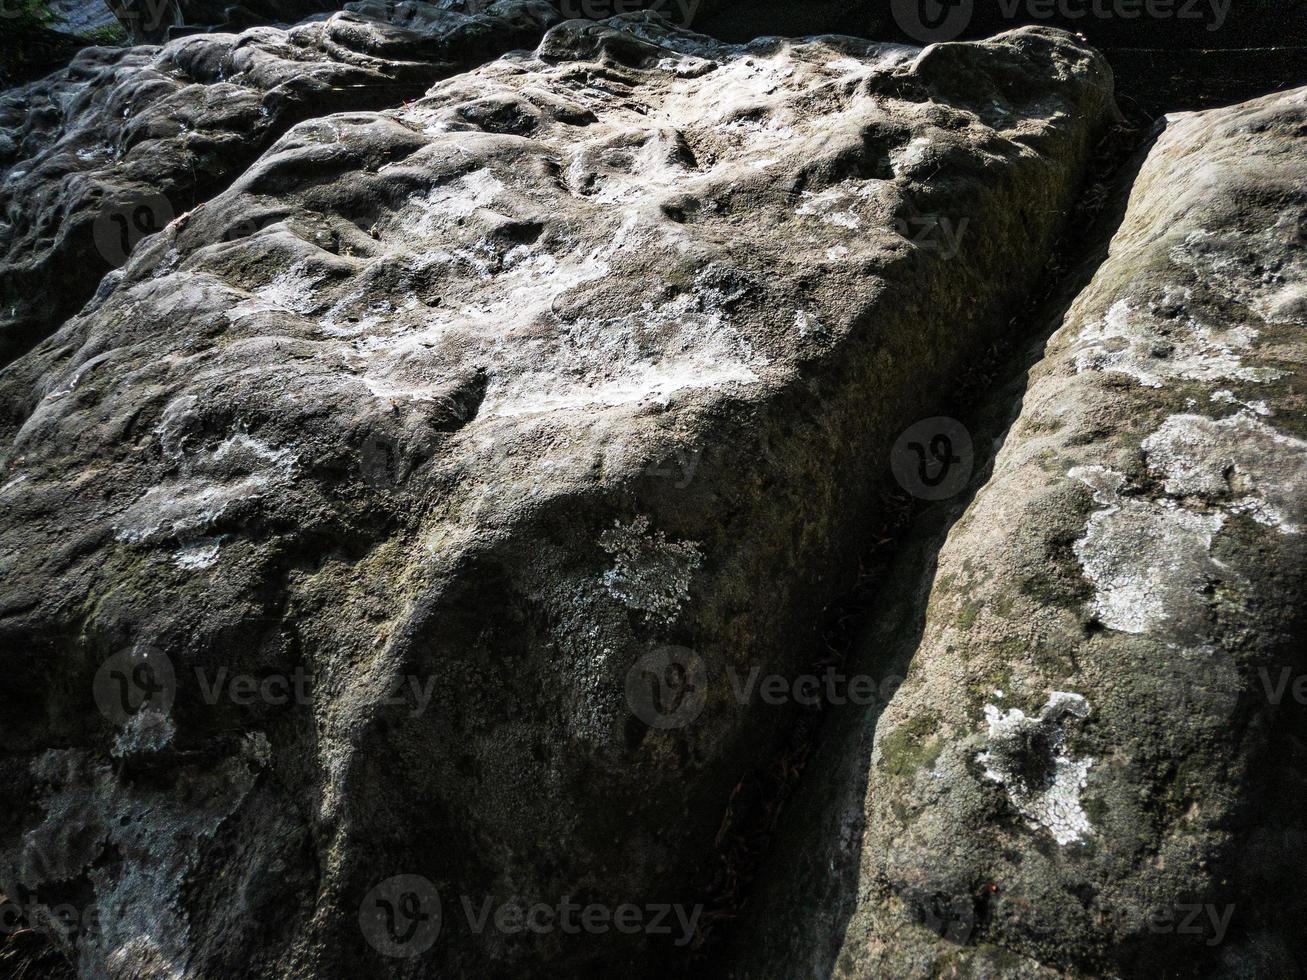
460 410
112 148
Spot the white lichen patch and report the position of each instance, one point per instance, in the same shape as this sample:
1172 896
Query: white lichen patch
145 733
917 152
649 353
1027 757
1150 560
1154 350
649 572
837 205
1248 268
198 555
428 214
1147 560
805 323
291 291
1239 462
1227 397
240 468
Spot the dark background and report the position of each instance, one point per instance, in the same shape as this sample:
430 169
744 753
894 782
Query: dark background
1162 63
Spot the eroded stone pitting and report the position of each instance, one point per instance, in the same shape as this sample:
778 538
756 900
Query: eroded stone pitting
135 137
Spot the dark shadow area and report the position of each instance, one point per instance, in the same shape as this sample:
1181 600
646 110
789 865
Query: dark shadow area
788 880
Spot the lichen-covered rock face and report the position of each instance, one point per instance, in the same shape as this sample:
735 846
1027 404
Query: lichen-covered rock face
109 150
1069 778
376 475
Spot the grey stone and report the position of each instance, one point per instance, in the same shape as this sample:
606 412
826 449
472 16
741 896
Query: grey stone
1095 733
458 412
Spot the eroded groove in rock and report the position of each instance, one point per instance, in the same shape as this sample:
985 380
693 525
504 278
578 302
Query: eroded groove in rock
510 389
125 139
1072 769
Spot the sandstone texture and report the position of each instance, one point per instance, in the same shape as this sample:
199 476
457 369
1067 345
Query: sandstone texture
422 426
112 148
462 410
1091 767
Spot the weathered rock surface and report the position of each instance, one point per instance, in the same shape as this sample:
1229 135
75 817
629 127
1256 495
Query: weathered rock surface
115 146
1084 772
463 410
